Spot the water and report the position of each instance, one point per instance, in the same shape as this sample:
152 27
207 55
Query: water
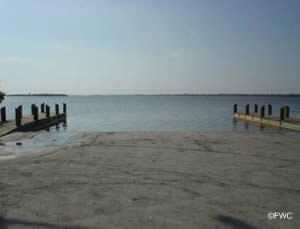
154 113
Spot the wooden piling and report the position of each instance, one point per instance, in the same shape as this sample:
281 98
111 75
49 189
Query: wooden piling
43 107
35 113
247 109
56 109
235 108
47 111
282 114
262 112
287 112
269 120
18 114
255 108
32 108
33 122
20 108
270 109
65 108
3 114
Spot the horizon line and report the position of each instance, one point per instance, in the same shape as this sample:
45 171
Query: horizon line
160 94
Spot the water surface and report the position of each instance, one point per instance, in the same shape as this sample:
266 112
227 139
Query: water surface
147 113
152 113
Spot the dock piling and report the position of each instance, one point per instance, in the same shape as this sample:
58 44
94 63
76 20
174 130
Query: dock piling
18 113
287 112
282 114
35 113
47 111
247 109
65 108
56 109
270 109
31 121
32 108
255 108
43 107
262 112
264 117
20 108
235 108
3 114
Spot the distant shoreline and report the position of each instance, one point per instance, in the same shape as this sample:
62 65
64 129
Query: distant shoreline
61 95
240 95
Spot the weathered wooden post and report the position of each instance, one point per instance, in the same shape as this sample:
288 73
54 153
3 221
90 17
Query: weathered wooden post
32 108
255 108
282 114
287 112
47 111
65 108
270 109
43 107
235 108
262 112
35 113
21 110
18 117
247 109
56 109
3 114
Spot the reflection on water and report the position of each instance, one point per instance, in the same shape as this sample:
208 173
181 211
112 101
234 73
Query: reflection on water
31 142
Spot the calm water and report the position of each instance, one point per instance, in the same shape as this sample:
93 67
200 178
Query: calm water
145 113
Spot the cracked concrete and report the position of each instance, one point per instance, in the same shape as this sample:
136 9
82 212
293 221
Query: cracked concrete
154 180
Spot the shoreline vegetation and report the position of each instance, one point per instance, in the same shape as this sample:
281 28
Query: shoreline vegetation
220 94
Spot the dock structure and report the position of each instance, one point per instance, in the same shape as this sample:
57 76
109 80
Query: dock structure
266 118
33 122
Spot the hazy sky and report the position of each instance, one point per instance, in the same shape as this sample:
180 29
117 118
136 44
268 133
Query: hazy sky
150 46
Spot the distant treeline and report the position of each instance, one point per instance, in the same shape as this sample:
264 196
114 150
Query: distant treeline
222 94
37 95
275 95
283 95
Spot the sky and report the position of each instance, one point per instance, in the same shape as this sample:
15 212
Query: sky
149 46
